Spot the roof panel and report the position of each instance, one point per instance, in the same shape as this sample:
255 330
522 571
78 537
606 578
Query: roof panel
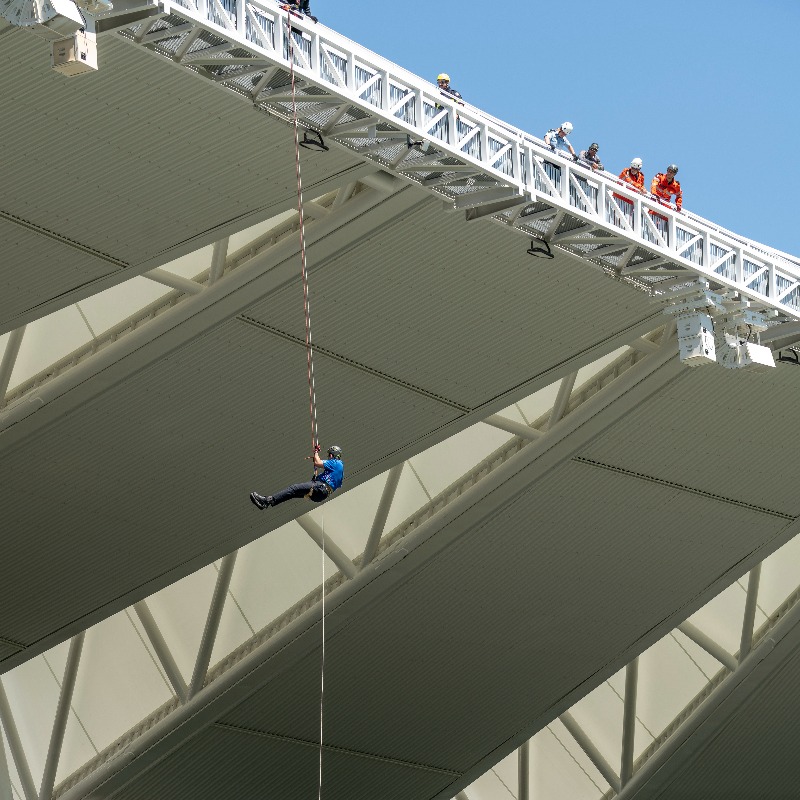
222 762
473 302
36 267
131 162
711 430
151 448
486 618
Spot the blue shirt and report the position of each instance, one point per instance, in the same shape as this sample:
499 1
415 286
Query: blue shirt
556 142
333 474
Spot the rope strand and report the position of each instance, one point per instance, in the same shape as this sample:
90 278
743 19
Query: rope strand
322 670
312 396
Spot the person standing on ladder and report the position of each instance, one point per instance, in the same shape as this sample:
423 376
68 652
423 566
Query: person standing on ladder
319 488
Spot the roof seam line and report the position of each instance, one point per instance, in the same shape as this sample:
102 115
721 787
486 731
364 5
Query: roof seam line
32 226
334 749
363 367
682 487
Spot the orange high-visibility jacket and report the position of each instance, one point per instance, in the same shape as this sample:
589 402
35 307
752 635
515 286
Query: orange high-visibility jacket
637 181
661 188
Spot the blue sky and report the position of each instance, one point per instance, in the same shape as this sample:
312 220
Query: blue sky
710 85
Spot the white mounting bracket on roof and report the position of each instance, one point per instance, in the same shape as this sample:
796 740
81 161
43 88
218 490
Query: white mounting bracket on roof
50 19
713 329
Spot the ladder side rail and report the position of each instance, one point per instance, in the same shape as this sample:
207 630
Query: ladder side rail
493 137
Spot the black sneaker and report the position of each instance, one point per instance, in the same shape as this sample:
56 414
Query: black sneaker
260 501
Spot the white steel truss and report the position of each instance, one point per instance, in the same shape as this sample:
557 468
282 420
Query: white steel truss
334 208
379 546
478 164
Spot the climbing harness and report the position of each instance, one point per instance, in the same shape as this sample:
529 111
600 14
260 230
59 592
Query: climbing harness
312 397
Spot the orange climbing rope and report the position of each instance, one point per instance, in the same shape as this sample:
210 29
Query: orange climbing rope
312 395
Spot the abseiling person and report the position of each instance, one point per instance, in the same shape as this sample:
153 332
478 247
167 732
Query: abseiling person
319 488
664 186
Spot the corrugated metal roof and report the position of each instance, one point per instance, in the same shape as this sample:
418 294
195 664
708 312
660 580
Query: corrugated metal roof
457 308
725 432
515 614
533 595
748 746
35 267
134 159
225 763
127 469
129 472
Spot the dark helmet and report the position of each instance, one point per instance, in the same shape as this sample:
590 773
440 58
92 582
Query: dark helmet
594 146
335 452
672 168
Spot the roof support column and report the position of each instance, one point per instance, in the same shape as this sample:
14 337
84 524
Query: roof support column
749 612
62 715
212 623
6 792
629 720
173 281
15 745
515 428
218 257
382 514
332 550
162 650
592 753
523 770
9 359
562 398
708 644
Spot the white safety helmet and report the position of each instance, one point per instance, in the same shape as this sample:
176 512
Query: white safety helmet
636 163
566 127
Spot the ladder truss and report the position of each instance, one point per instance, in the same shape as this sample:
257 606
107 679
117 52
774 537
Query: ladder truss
475 163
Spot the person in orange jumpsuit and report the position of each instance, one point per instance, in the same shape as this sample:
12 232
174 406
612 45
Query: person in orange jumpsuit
664 186
634 176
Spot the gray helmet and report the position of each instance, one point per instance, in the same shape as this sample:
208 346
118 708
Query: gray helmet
594 146
335 452
672 168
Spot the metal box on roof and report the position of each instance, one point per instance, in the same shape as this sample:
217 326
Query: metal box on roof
75 55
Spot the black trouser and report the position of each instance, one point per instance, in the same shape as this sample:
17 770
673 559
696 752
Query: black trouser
298 490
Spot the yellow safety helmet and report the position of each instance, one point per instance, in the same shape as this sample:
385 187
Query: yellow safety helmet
443 76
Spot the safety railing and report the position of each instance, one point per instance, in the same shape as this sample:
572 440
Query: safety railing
385 93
